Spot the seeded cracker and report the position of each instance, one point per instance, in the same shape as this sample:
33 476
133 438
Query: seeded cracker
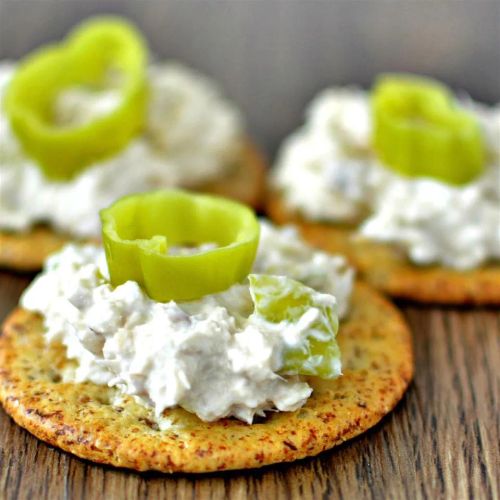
386 268
91 422
27 251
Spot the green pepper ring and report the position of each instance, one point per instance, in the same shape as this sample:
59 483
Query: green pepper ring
136 230
83 58
419 132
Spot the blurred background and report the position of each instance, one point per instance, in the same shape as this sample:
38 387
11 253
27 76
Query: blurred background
273 56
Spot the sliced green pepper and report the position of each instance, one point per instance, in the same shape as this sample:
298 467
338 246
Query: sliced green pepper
96 50
277 299
138 229
419 132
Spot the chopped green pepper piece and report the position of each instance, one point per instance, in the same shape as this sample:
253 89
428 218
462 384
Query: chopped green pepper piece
277 299
419 132
96 50
138 229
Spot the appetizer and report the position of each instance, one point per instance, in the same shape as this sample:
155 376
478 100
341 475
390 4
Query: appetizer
89 119
199 339
405 180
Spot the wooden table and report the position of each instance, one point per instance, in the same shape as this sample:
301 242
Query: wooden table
442 441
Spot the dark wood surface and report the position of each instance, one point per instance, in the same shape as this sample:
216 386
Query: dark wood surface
442 441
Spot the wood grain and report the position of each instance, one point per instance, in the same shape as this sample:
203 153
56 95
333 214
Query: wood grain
442 441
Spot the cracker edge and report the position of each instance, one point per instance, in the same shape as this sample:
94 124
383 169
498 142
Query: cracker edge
433 285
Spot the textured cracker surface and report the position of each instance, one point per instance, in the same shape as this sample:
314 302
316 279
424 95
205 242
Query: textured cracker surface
85 419
27 251
387 268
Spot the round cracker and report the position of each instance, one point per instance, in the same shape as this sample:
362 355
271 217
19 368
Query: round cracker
27 251
88 420
387 268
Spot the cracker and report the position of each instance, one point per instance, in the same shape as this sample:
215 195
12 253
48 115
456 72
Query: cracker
27 251
387 268
88 420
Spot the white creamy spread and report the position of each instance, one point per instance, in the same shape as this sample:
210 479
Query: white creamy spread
212 356
327 171
192 135
78 106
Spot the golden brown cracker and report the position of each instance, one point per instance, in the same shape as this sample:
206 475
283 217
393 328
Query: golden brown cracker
89 421
27 251
386 267
246 182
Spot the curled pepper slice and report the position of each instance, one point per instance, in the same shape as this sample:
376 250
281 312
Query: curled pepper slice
98 50
314 352
418 131
138 229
